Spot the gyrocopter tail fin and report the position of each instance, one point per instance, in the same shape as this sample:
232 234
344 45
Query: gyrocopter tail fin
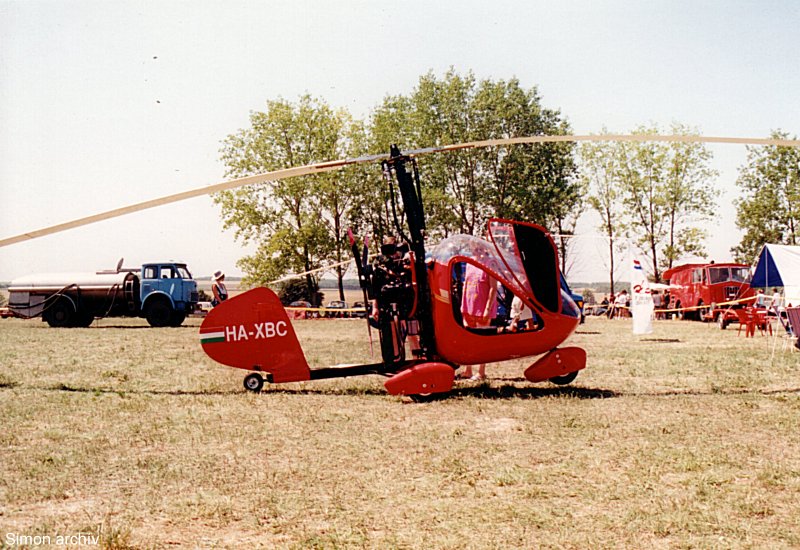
252 331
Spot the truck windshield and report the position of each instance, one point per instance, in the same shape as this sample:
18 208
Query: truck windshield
739 274
183 273
718 275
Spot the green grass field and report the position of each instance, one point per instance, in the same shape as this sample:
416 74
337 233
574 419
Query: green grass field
686 438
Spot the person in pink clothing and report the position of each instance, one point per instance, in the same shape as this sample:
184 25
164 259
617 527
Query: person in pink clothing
478 307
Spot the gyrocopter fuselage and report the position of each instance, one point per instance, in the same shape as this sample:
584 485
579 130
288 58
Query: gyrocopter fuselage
467 301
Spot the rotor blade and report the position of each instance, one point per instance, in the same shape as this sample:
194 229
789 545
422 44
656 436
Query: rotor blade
337 164
607 137
198 192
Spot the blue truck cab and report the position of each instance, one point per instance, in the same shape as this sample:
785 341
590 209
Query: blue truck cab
168 293
577 298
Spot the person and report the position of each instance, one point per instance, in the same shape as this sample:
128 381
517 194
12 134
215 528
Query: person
761 299
776 300
218 288
521 316
658 304
621 304
612 300
478 307
603 307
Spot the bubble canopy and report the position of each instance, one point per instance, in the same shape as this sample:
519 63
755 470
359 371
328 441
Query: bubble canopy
522 256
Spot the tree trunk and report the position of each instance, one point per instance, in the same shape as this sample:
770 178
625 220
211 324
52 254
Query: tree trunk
611 261
656 274
340 277
310 293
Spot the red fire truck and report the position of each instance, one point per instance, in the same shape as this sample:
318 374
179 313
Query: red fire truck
693 285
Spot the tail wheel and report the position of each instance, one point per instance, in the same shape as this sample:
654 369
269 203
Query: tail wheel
60 314
253 382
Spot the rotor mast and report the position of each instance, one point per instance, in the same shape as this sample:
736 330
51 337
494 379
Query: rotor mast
411 194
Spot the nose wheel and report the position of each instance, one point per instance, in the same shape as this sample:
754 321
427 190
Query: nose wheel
253 382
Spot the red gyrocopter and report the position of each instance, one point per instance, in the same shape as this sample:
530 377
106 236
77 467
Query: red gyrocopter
517 261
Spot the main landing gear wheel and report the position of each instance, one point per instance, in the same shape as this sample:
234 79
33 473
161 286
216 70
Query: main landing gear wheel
564 380
426 397
253 382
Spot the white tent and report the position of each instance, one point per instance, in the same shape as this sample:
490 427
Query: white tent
778 265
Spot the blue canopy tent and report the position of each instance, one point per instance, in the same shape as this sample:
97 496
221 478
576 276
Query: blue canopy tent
778 265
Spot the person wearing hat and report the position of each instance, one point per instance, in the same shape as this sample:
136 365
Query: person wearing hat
218 288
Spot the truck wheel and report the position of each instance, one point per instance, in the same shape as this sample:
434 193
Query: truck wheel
253 382
177 318
83 319
158 313
60 314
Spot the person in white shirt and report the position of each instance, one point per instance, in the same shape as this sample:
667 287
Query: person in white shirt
621 304
521 316
776 299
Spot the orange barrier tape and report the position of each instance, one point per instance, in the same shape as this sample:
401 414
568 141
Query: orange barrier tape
324 309
674 310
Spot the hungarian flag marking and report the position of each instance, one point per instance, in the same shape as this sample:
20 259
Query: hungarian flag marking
212 335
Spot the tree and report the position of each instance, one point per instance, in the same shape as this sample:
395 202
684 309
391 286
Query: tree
300 223
536 183
689 199
641 174
443 112
296 290
599 175
293 221
666 191
464 188
769 211
390 123
340 195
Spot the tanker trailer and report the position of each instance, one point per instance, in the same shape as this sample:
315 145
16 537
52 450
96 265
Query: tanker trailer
163 293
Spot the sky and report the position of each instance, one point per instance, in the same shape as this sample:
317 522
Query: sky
108 103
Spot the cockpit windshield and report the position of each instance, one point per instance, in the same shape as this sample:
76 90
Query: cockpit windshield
482 252
530 256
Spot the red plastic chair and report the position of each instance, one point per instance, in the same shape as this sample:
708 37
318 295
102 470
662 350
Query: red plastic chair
747 319
761 320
